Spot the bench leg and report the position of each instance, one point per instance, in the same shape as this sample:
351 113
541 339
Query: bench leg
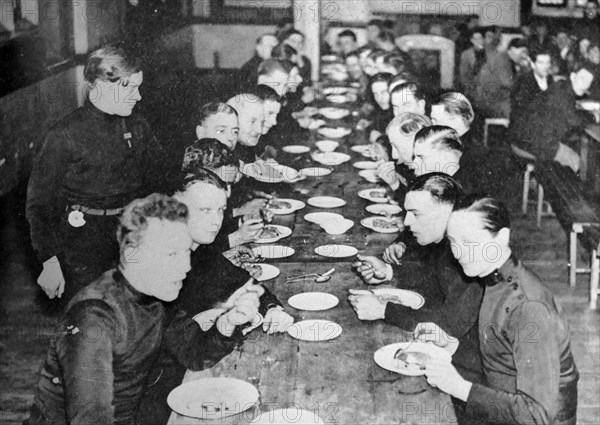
572 259
594 279
540 205
526 183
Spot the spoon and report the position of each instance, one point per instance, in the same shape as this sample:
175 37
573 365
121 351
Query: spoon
319 278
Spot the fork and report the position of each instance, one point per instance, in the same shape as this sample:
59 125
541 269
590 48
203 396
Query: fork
405 349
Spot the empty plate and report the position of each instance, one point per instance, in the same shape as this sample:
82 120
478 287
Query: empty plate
314 124
213 398
313 301
376 194
315 330
338 98
384 209
404 297
330 158
334 133
273 251
285 206
272 233
326 202
315 172
382 224
336 251
384 357
262 172
327 145
289 415
364 150
365 165
369 175
334 113
323 217
268 272
296 149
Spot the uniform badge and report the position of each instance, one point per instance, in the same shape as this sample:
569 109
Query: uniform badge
76 219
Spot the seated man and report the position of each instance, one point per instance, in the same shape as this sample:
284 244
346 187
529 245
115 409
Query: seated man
264 46
251 116
295 38
109 338
275 74
408 97
346 41
218 121
452 299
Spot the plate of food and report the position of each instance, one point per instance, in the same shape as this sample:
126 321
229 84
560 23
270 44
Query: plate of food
377 195
296 149
334 132
384 209
212 398
335 90
330 158
314 124
412 361
323 217
336 251
267 271
313 301
315 172
262 172
285 206
326 202
369 175
382 224
288 173
273 251
334 113
315 330
365 165
272 233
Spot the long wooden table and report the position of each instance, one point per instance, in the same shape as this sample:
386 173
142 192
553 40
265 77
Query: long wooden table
338 380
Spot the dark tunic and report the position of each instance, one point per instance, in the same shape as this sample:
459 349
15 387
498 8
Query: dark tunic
526 353
108 340
249 71
526 99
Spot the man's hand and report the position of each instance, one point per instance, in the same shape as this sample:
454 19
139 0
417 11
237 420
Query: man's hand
441 374
238 254
250 230
394 253
372 269
367 305
277 320
241 307
386 171
250 208
378 152
433 333
51 278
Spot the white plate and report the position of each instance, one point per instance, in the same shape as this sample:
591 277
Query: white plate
329 58
404 297
367 194
383 209
314 124
337 227
213 398
289 174
365 165
315 172
323 217
289 415
326 202
369 223
334 133
384 357
273 251
369 175
327 145
315 330
335 90
268 272
334 113
338 98
262 172
336 251
296 149
330 158
284 232
313 301
294 206
361 149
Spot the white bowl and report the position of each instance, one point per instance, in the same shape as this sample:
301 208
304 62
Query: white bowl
334 113
327 145
337 227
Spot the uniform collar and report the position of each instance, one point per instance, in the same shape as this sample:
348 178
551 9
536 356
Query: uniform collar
136 295
502 274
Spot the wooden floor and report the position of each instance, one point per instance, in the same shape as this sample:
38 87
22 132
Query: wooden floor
26 319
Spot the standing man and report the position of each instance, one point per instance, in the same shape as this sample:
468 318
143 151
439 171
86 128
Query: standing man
346 41
471 62
92 163
264 47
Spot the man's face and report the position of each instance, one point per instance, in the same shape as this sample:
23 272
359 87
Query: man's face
206 204
163 258
405 101
490 38
542 66
381 94
347 45
591 10
402 146
278 81
426 218
297 42
562 40
265 47
353 66
221 126
271 109
518 54
581 81
430 159
295 79
371 68
372 32
251 117
594 55
477 40
363 59
117 99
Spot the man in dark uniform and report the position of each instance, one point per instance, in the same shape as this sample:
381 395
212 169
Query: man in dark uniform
92 163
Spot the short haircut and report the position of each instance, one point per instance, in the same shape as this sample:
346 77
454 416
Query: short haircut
265 93
270 66
382 77
517 43
403 78
412 87
262 37
284 35
347 33
376 23
494 213
440 137
201 175
386 36
409 123
443 188
134 220
396 61
456 103
111 63
283 52
207 153
534 53
579 66
212 108
376 53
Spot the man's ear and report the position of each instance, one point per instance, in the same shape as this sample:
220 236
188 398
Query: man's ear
503 236
200 132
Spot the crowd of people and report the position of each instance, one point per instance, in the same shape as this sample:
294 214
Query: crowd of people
178 275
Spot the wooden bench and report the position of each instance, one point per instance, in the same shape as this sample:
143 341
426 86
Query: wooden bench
566 194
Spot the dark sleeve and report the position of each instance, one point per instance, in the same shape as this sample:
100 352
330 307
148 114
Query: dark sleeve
44 193
161 166
534 344
267 301
85 353
193 348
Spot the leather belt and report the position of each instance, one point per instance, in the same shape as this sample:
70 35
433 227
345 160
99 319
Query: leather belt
95 211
